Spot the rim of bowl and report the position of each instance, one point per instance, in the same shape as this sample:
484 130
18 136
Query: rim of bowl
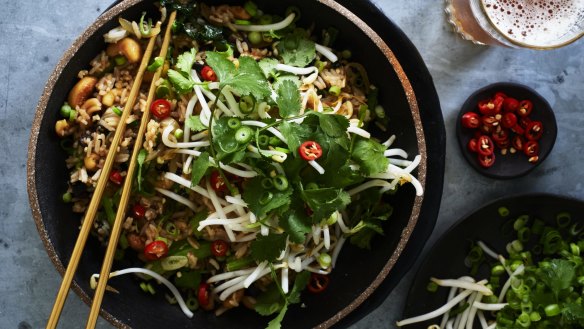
118 9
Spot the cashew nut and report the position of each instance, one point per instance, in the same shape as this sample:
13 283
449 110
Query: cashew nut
91 105
128 47
108 99
62 128
91 162
81 91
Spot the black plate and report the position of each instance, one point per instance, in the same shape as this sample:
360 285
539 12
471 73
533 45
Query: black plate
510 165
446 257
134 308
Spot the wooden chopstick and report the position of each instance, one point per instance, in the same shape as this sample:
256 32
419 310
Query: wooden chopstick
98 193
127 189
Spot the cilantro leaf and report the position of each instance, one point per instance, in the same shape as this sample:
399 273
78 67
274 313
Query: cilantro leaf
255 196
227 148
296 225
369 155
573 312
268 66
141 158
324 201
362 239
199 168
270 301
288 99
334 125
281 78
185 61
276 322
299 284
295 134
180 83
296 50
222 66
247 79
269 247
194 123
558 276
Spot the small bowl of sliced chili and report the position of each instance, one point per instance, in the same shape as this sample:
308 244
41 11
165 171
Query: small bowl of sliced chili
505 130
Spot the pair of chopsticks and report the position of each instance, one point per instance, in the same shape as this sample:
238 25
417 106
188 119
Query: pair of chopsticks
100 187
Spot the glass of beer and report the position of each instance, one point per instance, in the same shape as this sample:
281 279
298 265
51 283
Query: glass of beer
537 24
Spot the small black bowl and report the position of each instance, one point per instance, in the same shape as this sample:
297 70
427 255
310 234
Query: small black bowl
510 165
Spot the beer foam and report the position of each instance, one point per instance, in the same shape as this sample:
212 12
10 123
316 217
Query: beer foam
540 23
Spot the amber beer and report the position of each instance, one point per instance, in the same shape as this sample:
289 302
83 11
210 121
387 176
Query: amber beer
539 24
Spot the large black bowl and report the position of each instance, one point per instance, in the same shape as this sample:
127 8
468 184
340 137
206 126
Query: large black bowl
406 91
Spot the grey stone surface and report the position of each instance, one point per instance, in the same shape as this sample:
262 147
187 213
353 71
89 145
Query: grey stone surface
34 34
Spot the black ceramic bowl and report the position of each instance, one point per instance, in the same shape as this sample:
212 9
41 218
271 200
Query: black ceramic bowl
405 87
509 165
446 257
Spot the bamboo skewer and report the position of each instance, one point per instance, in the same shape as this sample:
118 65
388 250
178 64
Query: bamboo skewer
127 189
98 193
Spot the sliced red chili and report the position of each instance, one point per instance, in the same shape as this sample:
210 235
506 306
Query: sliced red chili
510 104
160 108
317 283
217 182
203 294
310 150
525 108
524 122
500 135
509 120
472 145
485 145
518 142
498 103
490 120
208 74
470 120
116 177
486 107
219 248
155 250
486 161
503 144
500 94
534 130
518 130
531 148
138 211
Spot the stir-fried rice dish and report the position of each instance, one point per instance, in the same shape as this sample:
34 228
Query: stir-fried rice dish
257 165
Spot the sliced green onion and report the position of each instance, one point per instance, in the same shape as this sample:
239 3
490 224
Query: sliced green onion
520 222
264 141
274 141
67 197
117 110
163 89
503 211
145 27
324 260
254 37
538 226
380 111
158 61
243 135
563 219
280 182
311 186
552 310
108 207
251 8
242 22
120 60
179 133
238 264
524 234
192 303
233 123
171 229
172 263
335 90
267 183
534 316
523 320
123 241
346 54
246 104
266 198
498 270
432 287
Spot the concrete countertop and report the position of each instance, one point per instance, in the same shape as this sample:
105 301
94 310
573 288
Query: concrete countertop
34 35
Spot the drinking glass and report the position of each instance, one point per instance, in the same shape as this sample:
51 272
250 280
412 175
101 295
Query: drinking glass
537 24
